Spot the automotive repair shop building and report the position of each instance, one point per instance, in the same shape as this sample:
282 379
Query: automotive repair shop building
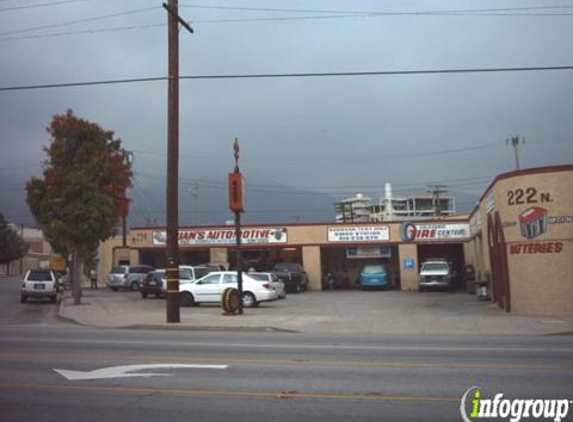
520 237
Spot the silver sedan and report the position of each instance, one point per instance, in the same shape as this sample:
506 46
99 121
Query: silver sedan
277 284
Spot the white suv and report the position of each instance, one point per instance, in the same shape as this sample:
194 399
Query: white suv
436 275
39 283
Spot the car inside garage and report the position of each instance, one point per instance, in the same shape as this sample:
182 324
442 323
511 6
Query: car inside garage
346 263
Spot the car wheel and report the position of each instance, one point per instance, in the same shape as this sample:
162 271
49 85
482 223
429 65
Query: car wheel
23 299
297 288
158 295
284 295
421 289
249 300
187 299
114 289
143 295
53 299
133 286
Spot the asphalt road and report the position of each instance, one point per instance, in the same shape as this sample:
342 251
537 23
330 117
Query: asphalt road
262 376
36 311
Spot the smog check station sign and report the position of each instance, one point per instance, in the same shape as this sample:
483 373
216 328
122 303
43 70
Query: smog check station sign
357 234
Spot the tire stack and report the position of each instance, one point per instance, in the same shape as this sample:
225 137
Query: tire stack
231 301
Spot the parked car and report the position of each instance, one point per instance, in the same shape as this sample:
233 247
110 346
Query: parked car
293 276
209 289
127 276
437 275
373 276
272 278
40 283
187 274
214 267
152 284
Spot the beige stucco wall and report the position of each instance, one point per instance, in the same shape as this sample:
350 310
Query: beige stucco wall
541 283
408 277
312 266
219 256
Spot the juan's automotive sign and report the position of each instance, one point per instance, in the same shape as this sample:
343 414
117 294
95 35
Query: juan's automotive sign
249 236
412 232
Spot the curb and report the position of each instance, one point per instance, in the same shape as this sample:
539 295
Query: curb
208 328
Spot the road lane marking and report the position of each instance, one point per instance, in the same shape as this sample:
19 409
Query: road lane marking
16 355
373 397
125 371
282 347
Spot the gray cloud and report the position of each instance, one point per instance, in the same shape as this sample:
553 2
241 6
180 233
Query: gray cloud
304 133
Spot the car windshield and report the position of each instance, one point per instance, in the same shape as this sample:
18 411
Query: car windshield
373 269
435 266
36 275
259 276
201 272
118 270
185 274
286 267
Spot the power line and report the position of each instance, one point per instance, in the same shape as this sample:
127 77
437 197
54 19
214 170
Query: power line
293 75
34 6
370 12
337 15
92 19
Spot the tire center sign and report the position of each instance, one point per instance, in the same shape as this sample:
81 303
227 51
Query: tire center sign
412 232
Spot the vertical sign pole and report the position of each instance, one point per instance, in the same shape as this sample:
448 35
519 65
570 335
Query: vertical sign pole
239 260
237 205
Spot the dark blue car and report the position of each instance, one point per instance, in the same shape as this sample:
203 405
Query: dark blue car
373 277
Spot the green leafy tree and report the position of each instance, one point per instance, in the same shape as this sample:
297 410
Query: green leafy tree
12 246
81 196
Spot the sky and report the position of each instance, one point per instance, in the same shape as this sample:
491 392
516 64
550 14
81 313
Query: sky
305 141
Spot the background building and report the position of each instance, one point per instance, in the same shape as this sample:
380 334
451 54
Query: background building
360 209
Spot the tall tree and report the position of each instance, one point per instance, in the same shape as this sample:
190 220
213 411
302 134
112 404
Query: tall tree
81 196
12 246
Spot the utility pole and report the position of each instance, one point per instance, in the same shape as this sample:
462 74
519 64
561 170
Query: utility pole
436 191
172 250
514 142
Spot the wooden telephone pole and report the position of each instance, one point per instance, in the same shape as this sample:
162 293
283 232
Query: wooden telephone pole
172 252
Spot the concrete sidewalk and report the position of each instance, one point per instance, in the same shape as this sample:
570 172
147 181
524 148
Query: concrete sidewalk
342 312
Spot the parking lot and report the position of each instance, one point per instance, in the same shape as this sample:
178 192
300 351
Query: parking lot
344 312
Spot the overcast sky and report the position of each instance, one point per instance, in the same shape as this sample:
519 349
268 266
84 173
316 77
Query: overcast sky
328 135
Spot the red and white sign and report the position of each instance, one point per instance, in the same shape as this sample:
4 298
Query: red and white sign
358 234
249 236
536 248
434 232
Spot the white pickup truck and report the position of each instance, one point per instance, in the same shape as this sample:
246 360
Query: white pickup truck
436 275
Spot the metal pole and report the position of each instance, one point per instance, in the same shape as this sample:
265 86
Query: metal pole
172 252
21 259
124 229
239 260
